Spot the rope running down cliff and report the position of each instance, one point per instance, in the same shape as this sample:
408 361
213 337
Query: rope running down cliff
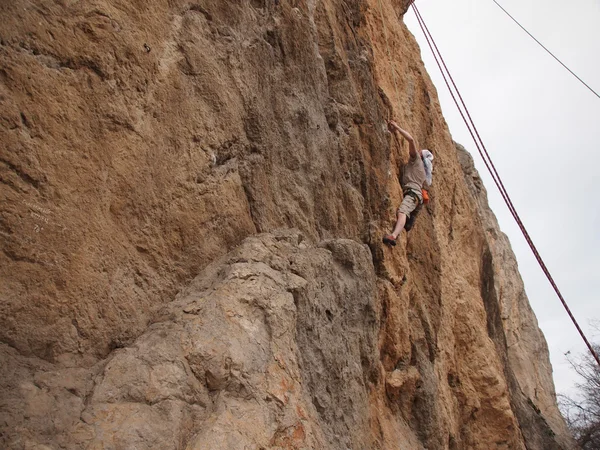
492 169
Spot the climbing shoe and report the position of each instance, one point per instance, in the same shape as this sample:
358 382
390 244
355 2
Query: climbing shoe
389 240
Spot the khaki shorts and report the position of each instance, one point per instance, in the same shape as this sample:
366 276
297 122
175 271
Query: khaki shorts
409 204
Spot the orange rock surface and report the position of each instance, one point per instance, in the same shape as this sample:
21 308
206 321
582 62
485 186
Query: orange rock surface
192 200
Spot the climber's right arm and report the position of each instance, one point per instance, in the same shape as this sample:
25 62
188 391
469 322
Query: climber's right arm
412 143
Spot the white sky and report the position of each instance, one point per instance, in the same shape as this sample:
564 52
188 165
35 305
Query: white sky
542 130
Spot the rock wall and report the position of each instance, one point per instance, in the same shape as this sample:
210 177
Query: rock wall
151 152
513 326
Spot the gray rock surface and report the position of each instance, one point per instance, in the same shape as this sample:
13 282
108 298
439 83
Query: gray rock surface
273 346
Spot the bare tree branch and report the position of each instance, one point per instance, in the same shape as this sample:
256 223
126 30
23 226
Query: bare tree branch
583 413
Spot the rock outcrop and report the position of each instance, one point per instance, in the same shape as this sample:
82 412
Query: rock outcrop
250 355
513 327
192 201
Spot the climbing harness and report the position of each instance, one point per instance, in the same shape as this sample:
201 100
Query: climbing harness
411 192
492 169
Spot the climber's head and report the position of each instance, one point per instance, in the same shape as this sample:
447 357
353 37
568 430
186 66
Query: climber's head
426 154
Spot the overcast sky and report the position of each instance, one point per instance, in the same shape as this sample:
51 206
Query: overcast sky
542 130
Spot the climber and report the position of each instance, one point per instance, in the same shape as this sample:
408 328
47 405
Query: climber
416 173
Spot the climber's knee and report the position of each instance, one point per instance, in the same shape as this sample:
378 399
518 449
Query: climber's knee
409 204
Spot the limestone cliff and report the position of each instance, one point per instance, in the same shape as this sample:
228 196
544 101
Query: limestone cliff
193 195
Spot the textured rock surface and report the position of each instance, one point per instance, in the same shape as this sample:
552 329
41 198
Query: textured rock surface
249 356
143 142
513 326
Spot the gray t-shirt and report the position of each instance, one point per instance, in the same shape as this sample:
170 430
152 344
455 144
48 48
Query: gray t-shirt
413 176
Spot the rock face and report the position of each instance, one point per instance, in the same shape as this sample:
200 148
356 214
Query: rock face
250 355
513 327
192 201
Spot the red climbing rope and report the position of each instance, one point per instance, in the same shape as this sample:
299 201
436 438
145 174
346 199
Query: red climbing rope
492 169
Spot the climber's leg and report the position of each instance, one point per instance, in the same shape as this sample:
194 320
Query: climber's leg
409 203
399 224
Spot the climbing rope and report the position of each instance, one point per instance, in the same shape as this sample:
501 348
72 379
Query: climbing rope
548 51
492 169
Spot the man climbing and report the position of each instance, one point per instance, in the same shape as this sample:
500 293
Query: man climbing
414 176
